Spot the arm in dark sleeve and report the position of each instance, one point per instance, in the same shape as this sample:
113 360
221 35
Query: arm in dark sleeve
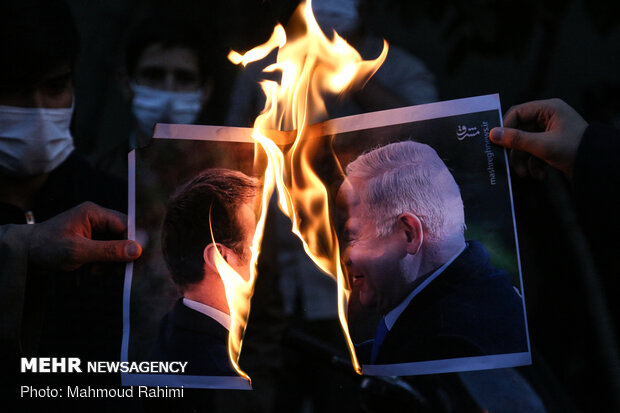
13 268
596 181
597 171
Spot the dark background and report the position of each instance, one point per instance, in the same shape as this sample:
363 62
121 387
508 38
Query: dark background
522 50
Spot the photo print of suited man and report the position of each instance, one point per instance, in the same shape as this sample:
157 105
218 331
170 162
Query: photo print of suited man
196 329
437 293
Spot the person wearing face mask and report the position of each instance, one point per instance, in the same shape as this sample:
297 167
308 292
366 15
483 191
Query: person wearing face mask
167 73
167 76
58 216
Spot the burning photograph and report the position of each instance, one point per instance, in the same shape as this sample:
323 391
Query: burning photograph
428 240
196 221
216 204
408 210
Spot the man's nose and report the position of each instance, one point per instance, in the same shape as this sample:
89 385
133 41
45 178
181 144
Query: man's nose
170 83
39 99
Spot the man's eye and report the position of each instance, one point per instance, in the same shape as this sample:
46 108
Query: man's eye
185 77
54 89
152 74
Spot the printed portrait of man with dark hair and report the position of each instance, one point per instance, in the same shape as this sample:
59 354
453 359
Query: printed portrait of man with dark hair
215 205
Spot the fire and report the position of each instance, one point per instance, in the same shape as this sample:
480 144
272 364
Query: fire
237 290
311 65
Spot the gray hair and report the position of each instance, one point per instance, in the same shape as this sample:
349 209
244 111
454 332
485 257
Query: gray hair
409 177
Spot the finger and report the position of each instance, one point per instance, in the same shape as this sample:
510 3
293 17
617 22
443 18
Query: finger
518 162
105 220
530 113
533 143
537 168
107 251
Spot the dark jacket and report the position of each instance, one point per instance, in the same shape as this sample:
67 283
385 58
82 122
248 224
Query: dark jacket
596 184
189 335
471 309
68 314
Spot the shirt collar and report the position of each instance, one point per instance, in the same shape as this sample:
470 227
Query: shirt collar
392 316
217 315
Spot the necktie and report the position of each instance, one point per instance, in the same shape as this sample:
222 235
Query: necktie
379 337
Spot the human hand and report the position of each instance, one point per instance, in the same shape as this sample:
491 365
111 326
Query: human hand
538 132
64 242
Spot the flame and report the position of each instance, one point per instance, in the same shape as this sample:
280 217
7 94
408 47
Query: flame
237 290
311 65
278 39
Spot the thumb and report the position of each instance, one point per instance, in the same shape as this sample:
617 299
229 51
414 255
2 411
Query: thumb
535 144
107 251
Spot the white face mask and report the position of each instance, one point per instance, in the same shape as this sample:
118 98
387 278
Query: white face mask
34 140
151 106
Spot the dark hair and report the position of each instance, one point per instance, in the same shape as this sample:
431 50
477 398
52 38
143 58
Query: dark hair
170 31
186 231
36 37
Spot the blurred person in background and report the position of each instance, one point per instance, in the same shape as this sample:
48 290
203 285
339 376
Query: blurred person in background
168 69
57 297
167 75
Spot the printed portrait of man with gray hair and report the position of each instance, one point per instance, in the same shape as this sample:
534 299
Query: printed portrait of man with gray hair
407 258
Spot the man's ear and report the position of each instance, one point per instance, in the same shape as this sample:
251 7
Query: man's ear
412 227
209 255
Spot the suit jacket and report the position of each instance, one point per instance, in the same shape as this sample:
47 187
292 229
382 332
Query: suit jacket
189 335
471 309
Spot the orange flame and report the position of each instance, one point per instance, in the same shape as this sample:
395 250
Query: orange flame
238 291
311 65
